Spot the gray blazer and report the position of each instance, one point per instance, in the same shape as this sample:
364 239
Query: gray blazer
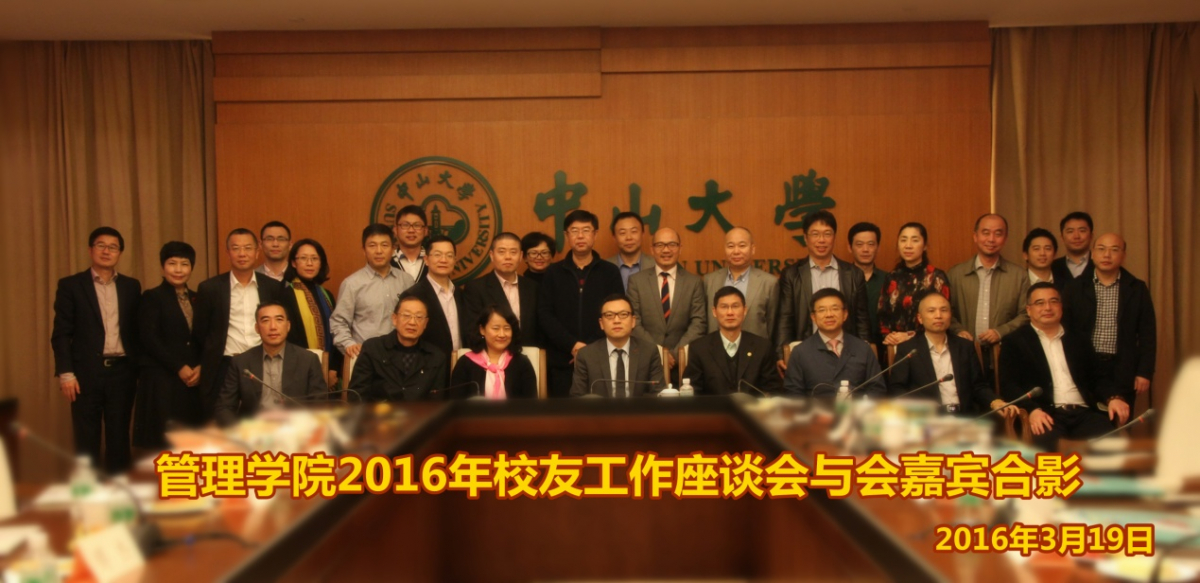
814 371
643 366
1010 283
241 397
689 311
762 300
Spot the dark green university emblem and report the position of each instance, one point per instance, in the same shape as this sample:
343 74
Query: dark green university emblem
458 201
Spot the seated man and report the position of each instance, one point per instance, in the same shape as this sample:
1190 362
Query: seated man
939 354
402 366
631 368
731 360
818 365
1042 354
287 373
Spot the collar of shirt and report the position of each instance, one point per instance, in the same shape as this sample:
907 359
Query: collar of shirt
737 343
233 280
1087 257
833 264
1057 334
933 347
608 343
506 283
635 265
391 271
658 271
400 255
840 338
441 291
267 357
1096 279
731 280
100 280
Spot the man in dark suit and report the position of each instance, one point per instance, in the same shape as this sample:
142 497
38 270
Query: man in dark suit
1114 309
631 367
444 303
820 270
940 354
288 374
402 366
818 365
411 229
1076 229
95 346
503 288
224 314
569 299
1044 354
668 301
731 360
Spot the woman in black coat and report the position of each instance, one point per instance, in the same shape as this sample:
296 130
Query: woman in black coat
170 367
495 362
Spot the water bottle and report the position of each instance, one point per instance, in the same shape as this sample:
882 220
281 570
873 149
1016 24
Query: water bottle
686 390
82 485
39 564
843 398
122 508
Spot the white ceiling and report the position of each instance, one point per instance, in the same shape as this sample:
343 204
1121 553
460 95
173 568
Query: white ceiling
180 19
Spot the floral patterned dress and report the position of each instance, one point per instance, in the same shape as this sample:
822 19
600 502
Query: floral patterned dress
897 312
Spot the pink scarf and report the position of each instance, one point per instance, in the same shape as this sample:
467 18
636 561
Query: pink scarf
496 391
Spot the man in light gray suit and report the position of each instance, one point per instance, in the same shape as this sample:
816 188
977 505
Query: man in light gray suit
760 288
619 365
668 301
628 230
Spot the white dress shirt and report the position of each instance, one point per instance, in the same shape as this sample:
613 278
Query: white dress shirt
1065 390
446 298
942 366
243 301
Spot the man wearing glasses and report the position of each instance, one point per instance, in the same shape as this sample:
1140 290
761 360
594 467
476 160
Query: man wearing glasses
95 344
276 243
570 297
618 365
411 228
818 365
402 366
668 300
442 300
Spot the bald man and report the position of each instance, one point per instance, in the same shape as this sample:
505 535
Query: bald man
1114 310
760 288
668 300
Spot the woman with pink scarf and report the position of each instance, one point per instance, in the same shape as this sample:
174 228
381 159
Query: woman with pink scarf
495 362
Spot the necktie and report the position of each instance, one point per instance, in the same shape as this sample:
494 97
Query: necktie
833 347
620 388
666 296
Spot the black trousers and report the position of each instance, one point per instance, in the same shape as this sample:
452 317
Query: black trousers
104 407
1074 423
558 381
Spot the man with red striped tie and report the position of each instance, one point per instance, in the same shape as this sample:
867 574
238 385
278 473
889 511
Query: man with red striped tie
668 300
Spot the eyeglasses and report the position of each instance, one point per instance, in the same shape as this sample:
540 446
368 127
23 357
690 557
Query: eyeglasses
438 255
578 232
660 246
308 259
410 226
616 315
828 310
406 317
1044 303
538 254
275 239
112 248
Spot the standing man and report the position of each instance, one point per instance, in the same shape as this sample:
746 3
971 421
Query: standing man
631 366
442 301
726 361
1039 249
223 321
1114 309
629 230
276 243
986 302
1076 229
400 365
820 270
818 365
668 300
367 296
95 345
759 288
569 299
1044 354
864 241
411 229
503 288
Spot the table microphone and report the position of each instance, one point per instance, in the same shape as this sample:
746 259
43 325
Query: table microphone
945 379
326 395
246 373
477 393
592 387
911 353
747 383
1148 413
1036 392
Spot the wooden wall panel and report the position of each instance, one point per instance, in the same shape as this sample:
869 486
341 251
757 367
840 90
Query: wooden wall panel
392 64
796 58
338 88
393 41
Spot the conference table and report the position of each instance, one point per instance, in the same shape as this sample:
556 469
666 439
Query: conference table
448 537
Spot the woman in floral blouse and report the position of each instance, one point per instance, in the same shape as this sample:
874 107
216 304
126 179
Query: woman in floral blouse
913 274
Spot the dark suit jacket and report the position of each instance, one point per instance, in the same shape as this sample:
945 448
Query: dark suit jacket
210 325
1062 273
1137 330
241 397
377 375
165 337
479 293
520 381
643 364
814 371
755 362
795 291
1023 366
78 335
974 391
570 313
437 330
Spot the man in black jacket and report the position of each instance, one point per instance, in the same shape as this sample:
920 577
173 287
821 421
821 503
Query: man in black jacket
503 287
95 346
1044 354
1114 310
443 300
569 300
401 365
732 360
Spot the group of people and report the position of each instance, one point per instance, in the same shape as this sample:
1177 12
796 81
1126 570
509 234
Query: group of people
1080 326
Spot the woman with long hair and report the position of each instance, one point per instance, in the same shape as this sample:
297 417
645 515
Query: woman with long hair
913 274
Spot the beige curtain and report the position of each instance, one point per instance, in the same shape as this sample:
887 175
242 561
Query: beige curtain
1104 119
93 133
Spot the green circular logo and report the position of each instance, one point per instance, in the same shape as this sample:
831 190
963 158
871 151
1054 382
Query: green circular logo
458 201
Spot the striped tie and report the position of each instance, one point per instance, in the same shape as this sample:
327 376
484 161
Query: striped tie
666 296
